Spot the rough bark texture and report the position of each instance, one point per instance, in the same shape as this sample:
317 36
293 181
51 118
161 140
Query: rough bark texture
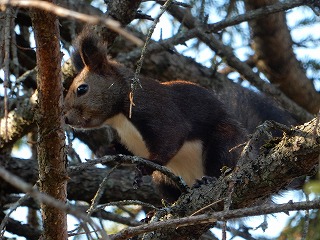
274 56
252 181
119 185
295 155
51 151
20 122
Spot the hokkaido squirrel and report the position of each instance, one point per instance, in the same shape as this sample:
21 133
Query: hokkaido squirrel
177 124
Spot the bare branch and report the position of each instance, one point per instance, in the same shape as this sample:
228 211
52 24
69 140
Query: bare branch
122 159
135 82
11 210
63 12
19 122
214 217
6 61
44 198
128 202
102 188
120 184
295 155
254 14
275 58
182 4
227 53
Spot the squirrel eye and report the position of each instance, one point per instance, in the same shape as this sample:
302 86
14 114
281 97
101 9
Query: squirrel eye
82 89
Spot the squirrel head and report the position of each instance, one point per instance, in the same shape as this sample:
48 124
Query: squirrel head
99 90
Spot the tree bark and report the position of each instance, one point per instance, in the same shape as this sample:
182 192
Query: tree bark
274 57
249 182
49 118
294 155
252 182
83 185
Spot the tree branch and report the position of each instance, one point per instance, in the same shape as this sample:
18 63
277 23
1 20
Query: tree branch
212 218
20 229
63 12
254 14
296 154
227 53
20 121
44 198
119 186
253 180
274 57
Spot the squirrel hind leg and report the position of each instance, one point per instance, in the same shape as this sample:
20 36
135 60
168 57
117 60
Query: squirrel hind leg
166 187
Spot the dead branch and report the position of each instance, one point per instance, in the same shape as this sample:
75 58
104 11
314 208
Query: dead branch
227 53
254 14
254 180
44 198
63 12
214 217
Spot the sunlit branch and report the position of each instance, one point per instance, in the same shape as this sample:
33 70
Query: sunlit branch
63 12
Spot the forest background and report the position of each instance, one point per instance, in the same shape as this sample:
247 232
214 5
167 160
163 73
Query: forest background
267 46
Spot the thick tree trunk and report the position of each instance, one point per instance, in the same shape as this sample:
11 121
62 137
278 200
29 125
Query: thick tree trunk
51 151
274 57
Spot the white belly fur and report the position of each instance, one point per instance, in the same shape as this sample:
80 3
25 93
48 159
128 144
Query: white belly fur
187 163
129 135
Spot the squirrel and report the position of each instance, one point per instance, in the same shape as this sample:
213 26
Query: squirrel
177 124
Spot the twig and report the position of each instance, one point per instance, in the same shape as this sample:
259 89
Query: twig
166 44
181 4
217 216
315 132
305 228
227 53
99 193
13 207
26 74
14 51
140 15
206 207
63 12
111 216
6 61
123 159
254 14
135 81
127 202
241 232
44 198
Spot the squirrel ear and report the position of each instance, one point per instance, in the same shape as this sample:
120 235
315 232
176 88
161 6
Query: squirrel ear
92 53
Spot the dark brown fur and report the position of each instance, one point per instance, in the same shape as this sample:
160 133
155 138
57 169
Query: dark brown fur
177 124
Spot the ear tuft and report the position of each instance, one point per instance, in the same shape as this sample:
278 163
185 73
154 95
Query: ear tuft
77 61
89 52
